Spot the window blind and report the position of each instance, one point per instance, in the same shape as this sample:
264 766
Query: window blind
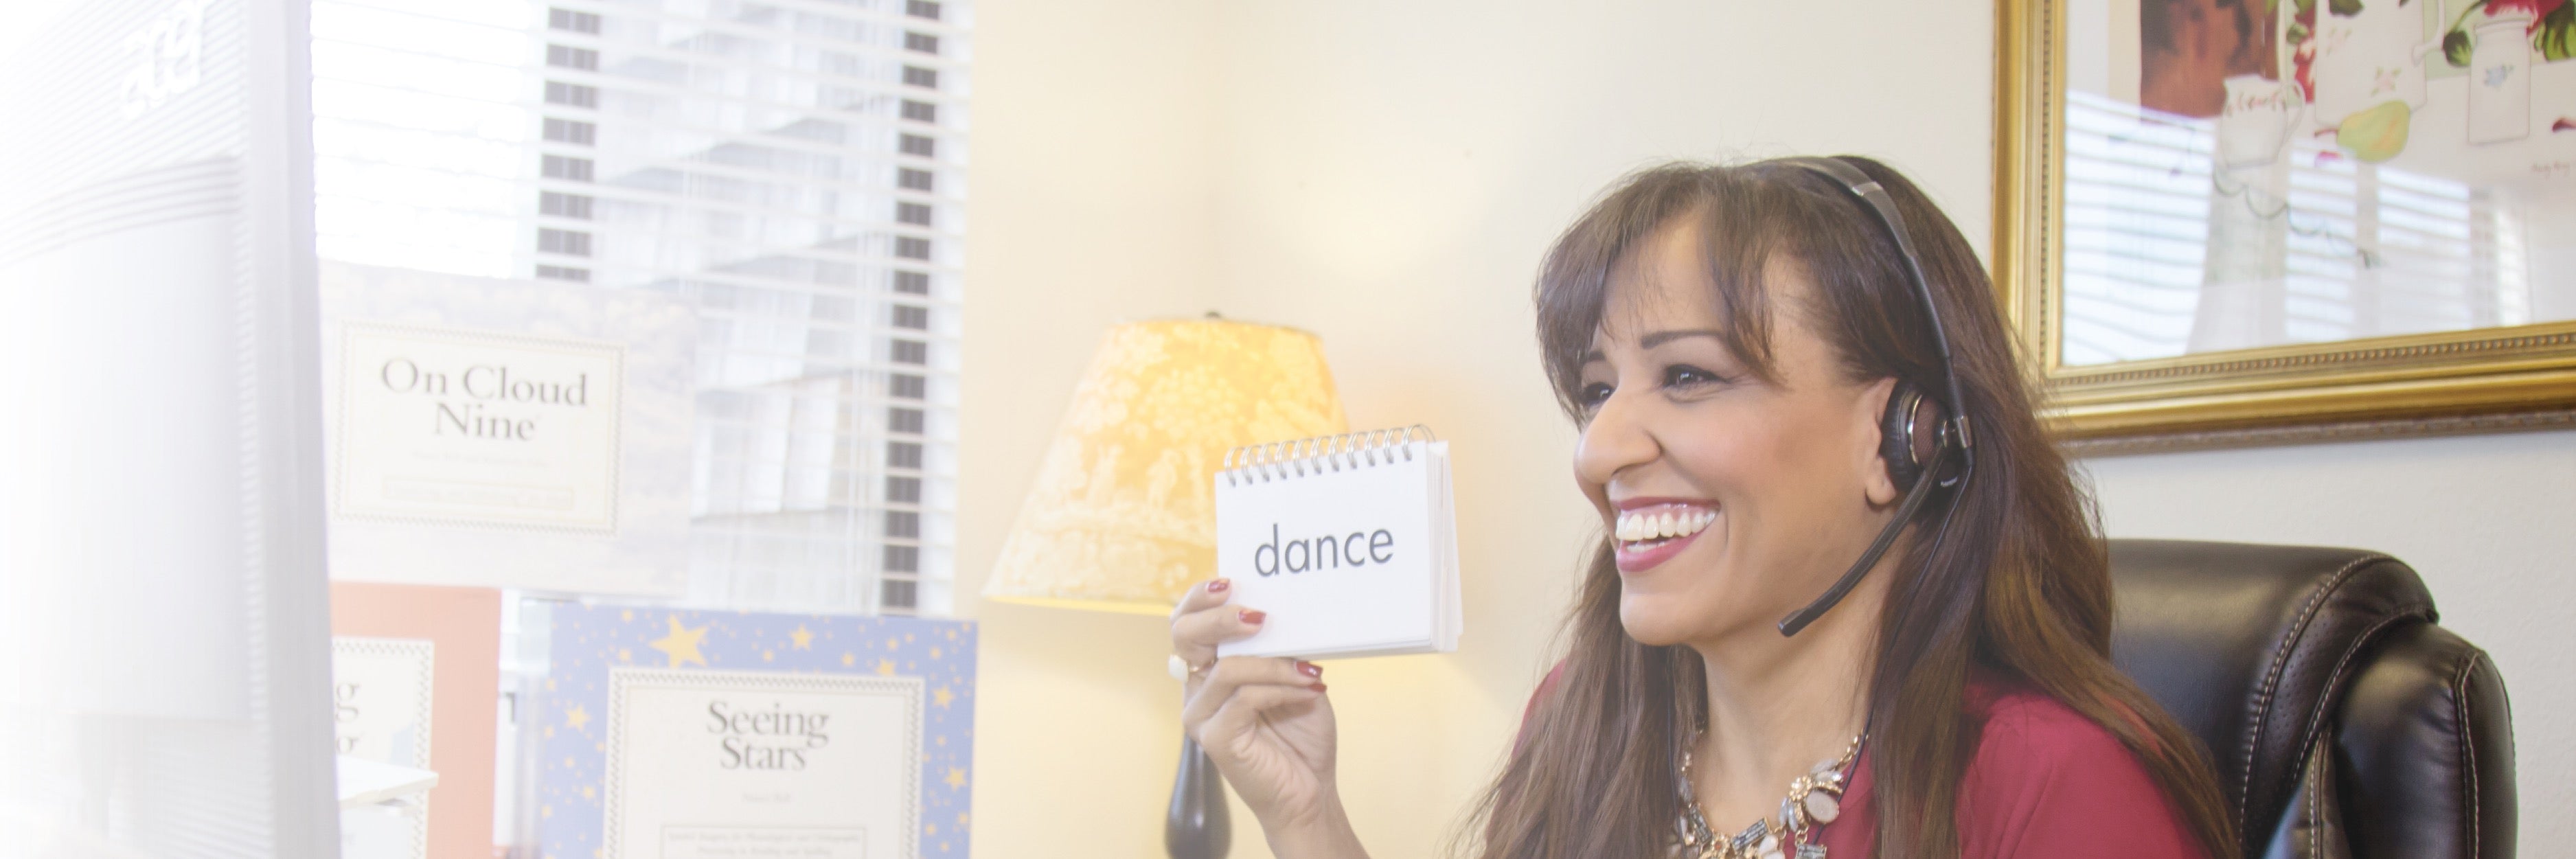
794 168
2353 250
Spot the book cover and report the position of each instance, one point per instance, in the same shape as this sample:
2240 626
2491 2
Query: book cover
496 433
415 679
692 735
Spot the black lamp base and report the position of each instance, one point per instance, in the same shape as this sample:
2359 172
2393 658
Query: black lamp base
1195 827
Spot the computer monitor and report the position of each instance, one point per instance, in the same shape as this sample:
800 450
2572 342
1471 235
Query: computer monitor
164 658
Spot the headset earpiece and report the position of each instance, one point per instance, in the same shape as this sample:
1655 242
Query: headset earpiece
1909 433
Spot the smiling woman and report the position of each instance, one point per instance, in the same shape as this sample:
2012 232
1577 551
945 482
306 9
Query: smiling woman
1765 369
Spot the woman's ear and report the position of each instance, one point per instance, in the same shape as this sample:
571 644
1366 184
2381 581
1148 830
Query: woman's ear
1872 405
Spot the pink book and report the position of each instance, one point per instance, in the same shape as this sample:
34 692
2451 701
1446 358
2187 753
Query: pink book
415 680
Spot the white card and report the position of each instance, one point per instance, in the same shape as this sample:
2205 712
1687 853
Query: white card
1349 554
761 765
479 428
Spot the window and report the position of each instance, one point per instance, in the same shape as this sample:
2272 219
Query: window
916 318
921 77
572 58
900 593
912 213
909 247
922 9
920 111
565 167
903 490
556 241
913 180
902 523
574 95
571 131
563 205
906 386
566 19
904 420
911 352
921 43
556 272
914 144
903 454
912 283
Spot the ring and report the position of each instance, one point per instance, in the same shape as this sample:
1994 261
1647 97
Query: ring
1181 669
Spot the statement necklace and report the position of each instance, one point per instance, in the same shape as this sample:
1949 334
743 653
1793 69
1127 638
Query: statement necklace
1814 799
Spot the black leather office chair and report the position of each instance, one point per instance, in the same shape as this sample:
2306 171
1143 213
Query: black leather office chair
2343 721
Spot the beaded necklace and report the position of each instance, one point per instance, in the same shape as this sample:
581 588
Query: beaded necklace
1814 799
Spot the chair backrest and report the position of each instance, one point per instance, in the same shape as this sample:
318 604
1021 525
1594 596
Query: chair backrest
2273 654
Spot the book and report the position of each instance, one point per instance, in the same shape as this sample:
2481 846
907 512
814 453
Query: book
415 683
672 734
1348 542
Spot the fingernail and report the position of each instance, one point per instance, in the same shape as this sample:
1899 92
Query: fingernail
1253 616
1317 687
1219 586
1310 669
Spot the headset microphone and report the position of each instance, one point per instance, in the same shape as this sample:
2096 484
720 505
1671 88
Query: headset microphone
1903 432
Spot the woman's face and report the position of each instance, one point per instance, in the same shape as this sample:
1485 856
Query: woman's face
1733 500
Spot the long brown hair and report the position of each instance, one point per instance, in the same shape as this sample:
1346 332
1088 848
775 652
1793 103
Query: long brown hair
2020 586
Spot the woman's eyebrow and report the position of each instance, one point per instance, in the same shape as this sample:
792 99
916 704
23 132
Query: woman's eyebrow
1653 340
1662 337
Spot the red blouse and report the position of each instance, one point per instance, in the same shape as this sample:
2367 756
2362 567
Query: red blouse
2046 782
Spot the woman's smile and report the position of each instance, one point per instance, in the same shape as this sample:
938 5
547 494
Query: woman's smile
1652 530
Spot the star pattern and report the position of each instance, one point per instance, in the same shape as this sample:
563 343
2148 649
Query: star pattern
682 644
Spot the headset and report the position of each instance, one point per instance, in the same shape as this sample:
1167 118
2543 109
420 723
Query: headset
1918 436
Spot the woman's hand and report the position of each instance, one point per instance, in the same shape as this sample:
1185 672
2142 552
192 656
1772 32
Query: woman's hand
1266 724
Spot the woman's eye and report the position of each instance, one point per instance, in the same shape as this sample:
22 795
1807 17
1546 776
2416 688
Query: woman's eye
1685 376
1592 395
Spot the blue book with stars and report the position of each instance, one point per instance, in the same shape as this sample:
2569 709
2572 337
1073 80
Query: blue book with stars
669 734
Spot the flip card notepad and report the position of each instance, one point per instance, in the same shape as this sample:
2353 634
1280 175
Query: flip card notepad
1347 541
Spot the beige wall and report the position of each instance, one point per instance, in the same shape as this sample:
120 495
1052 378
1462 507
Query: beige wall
1093 173
1386 175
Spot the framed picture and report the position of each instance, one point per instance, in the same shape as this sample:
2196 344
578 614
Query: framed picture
2230 220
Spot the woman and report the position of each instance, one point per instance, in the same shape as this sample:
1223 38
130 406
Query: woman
1728 340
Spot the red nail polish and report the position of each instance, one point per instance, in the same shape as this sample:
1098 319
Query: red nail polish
1253 616
1310 669
1218 586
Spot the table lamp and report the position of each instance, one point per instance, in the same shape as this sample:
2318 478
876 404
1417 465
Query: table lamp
1123 514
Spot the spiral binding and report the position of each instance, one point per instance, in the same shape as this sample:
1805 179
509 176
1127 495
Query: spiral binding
1280 460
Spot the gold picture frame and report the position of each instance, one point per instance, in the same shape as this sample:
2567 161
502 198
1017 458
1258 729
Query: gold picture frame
2484 379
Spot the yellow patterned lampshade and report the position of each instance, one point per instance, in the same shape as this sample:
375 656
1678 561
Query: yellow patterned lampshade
1123 515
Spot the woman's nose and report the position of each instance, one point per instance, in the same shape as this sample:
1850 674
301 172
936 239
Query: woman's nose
1613 440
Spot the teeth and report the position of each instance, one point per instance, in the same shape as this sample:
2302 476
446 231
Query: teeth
1663 524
